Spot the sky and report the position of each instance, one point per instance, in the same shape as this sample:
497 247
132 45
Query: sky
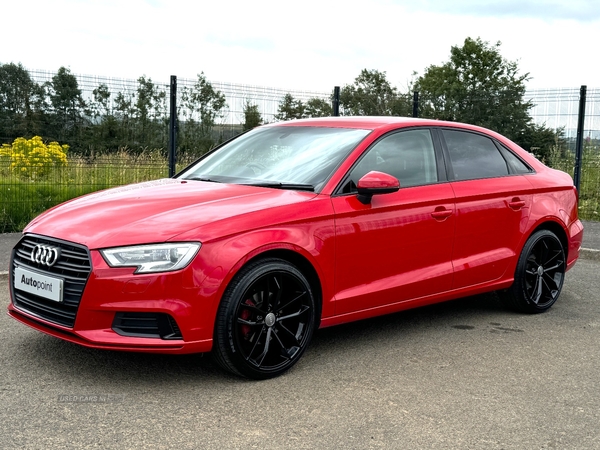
309 45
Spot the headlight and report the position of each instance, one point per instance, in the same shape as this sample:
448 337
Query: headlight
152 258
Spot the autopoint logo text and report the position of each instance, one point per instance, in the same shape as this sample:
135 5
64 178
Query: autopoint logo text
37 284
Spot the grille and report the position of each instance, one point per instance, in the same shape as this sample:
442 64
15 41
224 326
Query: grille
73 266
148 325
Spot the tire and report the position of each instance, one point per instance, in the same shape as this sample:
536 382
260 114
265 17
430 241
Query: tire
265 321
539 275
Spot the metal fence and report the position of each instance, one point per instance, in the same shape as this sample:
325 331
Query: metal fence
24 195
555 108
559 108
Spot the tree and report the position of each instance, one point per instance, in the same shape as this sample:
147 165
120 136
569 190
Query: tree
201 106
372 95
150 106
124 114
21 103
105 132
317 107
100 106
289 108
67 104
252 117
543 141
478 86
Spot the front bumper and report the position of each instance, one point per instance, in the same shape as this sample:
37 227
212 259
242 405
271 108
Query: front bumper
188 298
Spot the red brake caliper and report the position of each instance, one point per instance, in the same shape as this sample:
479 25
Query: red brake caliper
245 315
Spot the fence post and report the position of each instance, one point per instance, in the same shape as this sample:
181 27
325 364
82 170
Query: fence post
172 125
336 101
415 104
579 142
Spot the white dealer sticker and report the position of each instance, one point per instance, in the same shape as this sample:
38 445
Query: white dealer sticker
38 284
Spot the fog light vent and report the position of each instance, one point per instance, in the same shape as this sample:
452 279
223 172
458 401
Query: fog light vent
146 325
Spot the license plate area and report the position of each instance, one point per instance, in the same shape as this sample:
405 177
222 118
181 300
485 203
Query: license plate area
50 288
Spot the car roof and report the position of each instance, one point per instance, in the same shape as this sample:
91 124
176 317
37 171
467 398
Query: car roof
384 124
369 122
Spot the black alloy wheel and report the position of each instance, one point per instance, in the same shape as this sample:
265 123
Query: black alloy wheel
540 274
265 321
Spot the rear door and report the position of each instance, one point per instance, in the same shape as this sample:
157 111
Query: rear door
493 198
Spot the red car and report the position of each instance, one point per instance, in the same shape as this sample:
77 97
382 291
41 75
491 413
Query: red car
295 226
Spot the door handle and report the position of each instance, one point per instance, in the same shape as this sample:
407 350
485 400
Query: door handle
441 213
516 203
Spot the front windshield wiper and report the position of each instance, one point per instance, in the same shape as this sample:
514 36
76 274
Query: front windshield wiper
267 184
278 185
210 180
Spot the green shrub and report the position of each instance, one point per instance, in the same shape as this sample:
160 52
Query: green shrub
32 158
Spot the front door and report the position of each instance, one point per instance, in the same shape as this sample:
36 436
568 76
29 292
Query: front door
399 246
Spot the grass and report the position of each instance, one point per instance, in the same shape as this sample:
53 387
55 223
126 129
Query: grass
21 199
589 190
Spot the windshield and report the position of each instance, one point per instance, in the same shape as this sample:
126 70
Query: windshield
282 157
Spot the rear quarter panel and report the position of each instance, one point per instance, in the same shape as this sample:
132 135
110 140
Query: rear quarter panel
555 201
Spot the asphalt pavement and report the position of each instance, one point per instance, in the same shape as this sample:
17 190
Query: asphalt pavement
466 374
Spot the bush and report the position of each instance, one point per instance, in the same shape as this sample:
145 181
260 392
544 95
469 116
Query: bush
31 158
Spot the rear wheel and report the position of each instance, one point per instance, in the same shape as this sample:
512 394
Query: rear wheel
539 276
265 321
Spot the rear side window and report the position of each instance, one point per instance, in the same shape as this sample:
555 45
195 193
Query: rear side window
514 163
474 156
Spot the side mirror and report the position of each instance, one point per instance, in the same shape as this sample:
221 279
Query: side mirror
375 183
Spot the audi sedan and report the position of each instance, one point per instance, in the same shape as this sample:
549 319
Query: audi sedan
295 226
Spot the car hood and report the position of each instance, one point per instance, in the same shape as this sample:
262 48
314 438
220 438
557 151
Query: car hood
154 211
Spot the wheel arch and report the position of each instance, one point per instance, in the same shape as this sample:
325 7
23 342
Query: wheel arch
303 265
520 296
556 228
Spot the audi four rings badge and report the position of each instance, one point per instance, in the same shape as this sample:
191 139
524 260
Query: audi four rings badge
44 254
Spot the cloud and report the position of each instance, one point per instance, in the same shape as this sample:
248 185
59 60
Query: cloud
313 45
242 41
581 10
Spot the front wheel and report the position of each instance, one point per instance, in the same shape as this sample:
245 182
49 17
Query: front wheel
265 321
539 276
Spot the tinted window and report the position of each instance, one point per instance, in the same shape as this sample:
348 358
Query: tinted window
515 164
407 155
474 156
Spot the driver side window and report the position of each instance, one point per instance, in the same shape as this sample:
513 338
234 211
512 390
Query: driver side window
407 155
